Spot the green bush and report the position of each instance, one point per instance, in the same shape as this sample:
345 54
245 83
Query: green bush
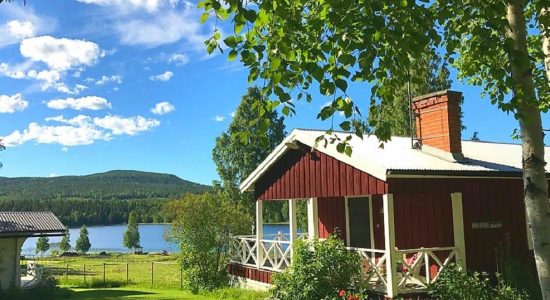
319 270
453 283
202 227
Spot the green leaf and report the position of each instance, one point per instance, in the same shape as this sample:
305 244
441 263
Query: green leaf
232 55
346 125
204 17
377 36
348 150
342 85
231 41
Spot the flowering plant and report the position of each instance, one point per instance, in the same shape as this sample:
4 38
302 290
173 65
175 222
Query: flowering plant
348 295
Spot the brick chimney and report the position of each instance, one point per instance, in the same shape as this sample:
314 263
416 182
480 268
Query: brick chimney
438 121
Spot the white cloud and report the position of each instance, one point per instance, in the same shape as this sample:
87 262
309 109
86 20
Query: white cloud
65 135
219 118
129 126
53 175
148 5
80 130
79 120
88 102
232 114
178 58
22 22
60 54
162 108
167 27
20 29
106 79
11 104
64 149
162 77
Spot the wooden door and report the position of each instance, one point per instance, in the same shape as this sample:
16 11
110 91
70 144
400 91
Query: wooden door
360 222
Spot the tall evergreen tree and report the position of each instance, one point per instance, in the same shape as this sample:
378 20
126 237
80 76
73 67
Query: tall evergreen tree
42 245
131 239
65 243
428 75
236 155
83 244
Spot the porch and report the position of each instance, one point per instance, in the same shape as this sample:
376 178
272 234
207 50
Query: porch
386 269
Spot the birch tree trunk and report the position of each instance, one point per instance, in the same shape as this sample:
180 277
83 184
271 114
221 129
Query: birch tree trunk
545 32
534 175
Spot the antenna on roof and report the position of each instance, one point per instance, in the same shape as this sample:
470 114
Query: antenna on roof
411 113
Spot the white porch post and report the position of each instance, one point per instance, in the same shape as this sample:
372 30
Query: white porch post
458 230
293 233
389 238
259 232
312 219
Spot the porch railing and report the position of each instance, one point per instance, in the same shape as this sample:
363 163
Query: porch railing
421 267
373 267
276 250
415 270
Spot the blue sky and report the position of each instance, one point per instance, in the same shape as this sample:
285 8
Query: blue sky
93 85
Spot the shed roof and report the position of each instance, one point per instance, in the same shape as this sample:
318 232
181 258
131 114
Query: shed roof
27 223
397 157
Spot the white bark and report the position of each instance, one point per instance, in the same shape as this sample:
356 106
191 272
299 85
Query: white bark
545 31
534 175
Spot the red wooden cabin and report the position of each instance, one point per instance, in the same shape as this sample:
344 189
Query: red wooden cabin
408 208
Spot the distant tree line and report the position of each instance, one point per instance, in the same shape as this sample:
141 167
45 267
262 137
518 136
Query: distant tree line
76 212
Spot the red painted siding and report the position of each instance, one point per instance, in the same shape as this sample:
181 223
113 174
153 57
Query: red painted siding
423 216
251 273
314 174
332 215
423 220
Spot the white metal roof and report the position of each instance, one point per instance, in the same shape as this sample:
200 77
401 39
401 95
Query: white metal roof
397 154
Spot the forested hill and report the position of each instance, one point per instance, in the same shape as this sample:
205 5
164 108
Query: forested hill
103 198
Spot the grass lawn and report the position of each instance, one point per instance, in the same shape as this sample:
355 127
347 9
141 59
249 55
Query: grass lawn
147 271
81 277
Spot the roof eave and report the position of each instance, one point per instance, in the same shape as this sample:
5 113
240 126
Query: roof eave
454 173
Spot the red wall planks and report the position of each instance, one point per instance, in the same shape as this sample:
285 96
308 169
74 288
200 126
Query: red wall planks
314 174
332 215
423 216
251 273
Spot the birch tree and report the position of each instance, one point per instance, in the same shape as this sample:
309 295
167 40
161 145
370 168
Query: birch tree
294 46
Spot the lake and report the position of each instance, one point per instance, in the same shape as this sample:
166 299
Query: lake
109 238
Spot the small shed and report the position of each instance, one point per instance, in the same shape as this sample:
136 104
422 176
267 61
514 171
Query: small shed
409 208
15 228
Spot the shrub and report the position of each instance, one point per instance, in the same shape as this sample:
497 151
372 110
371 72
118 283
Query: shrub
453 283
202 227
319 270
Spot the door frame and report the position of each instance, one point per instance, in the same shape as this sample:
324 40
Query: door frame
371 223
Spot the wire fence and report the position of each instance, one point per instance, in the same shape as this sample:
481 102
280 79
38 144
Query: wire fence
154 274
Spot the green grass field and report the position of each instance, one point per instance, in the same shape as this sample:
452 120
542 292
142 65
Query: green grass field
126 277
147 271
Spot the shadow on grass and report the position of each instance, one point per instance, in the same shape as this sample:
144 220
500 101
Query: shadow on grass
79 294
106 294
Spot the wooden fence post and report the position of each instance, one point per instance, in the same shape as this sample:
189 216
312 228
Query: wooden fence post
67 273
84 274
127 278
181 278
152 273
103 274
